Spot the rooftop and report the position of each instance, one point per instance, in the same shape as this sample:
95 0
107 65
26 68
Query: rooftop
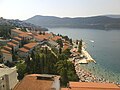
92 86
25 34
17 31
23 49
19 39
56 38
30 45
5 51
40 37
11 44
33 82
6 47
14 41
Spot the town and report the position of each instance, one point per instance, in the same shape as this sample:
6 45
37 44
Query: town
40 60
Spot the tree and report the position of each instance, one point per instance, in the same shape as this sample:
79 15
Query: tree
80 46
71 41
21 70
60 50
59 41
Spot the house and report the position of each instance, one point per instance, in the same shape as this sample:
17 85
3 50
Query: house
91 86
13 45
7 56
40 39
7 48
16 32
39 82
25 35
15 41
23 52
55 38
8 77
30 46
26 49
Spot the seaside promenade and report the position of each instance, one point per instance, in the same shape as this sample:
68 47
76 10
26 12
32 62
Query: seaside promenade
84 75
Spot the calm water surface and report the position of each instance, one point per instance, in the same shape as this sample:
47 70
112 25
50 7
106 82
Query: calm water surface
105 49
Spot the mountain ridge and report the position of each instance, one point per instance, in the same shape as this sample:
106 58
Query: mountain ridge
96 22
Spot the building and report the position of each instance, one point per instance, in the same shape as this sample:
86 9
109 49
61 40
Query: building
39 82
13 45
16 32
6 56
91 86
27 49
8 77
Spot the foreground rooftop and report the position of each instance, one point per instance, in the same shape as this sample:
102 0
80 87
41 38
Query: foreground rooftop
91 86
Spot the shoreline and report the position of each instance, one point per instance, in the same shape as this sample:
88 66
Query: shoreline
85 75
89 57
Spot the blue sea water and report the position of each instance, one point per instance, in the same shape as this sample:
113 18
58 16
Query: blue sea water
105 49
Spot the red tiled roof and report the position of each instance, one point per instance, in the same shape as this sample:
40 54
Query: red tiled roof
64 88
11 44
56 38
23 50
17 31
8 48
92 86
14 41
32 83
5 51
40 37
17 38
48 35
25 34
65 47
30 45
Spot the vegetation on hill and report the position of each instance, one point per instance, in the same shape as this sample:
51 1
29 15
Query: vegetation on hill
43 61
96 22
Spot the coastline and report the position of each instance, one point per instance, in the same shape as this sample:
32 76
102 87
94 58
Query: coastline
89 57
84 74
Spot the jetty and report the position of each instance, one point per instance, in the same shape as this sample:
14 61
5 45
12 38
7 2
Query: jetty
82 58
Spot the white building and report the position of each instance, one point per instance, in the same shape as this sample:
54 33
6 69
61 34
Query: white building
8 78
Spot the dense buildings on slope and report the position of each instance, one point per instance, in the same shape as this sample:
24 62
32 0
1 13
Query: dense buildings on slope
22 44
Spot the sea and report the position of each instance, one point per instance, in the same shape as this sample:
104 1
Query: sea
103 46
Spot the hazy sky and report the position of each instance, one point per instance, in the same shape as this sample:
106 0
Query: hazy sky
23 9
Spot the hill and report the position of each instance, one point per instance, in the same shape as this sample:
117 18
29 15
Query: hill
96 22
18 23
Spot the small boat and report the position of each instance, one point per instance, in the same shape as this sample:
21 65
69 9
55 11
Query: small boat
92 41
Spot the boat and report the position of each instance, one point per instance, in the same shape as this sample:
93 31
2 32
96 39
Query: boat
92 41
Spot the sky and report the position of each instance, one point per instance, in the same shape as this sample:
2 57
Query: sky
24 9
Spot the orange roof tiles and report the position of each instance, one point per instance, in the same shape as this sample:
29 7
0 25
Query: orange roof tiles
17 31
32 83
30 45
65 47
5 51
8 48
25 34
11 44
14 41
92 85
23 49
56 38
64 88
40 37
48 35
17 38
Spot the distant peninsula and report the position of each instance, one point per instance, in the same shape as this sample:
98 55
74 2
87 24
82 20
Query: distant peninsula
104 22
